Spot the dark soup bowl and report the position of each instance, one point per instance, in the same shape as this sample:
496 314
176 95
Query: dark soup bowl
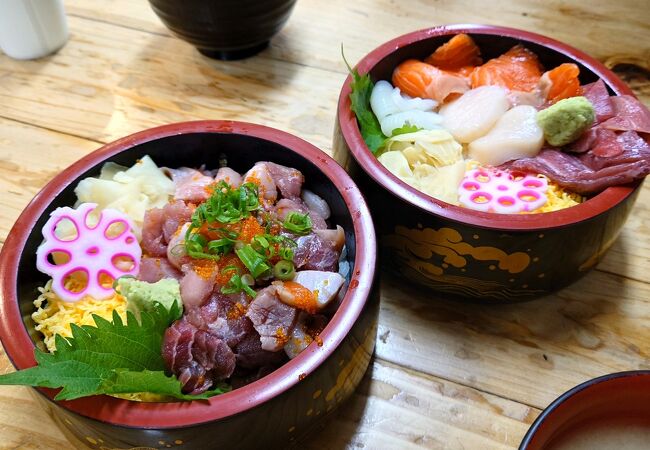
276 409
612 411
467 254
225 29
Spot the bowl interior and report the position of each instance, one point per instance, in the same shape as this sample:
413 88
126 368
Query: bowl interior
493 41
609 401
189 144
240 152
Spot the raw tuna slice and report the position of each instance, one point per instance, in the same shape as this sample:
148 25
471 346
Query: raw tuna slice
272 319
598 95
573 174
155 269
629 115
288 181
196 357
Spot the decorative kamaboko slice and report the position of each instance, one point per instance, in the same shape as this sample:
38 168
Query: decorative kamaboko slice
516 135
475 112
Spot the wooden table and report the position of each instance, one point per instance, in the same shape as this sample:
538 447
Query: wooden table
445 375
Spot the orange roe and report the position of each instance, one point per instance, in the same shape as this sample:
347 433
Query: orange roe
250 228
303 298
236 311
229 260
318 340
209 189
281 336
204 267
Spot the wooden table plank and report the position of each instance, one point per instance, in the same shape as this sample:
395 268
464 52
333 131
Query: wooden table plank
110 93
529 352
402 409
447 375
313 33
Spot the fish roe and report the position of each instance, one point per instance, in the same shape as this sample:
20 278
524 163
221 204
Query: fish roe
229 260
250 228
303 298
204 268
281 336
236 311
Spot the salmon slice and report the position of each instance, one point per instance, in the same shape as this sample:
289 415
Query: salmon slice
563 81
419 79
518 70
459 54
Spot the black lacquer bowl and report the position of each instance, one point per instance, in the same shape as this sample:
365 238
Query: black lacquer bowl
270 412
225 29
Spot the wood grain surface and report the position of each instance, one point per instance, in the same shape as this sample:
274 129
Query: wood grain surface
446 375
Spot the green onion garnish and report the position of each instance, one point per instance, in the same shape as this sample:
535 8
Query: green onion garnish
284 270
236 285
221 246
297 223
195 246
254 262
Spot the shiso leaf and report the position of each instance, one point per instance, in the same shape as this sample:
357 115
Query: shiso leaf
109 358
155 382
360 104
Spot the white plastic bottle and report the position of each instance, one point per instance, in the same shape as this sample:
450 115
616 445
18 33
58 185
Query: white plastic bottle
31 29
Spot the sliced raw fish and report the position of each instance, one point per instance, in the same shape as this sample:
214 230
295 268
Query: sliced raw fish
419 79
228 175
475 112
518 69
259 175
515 135
598 96
629 115
190 184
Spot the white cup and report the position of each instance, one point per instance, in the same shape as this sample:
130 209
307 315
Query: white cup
32 28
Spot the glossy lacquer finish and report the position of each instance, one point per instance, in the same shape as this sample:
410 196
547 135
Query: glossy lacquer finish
275 410
613 398
224 29
464 253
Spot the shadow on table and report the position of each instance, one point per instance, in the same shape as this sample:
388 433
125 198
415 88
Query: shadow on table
341 428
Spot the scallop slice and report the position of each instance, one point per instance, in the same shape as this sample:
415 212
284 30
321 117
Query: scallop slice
475 112
516 135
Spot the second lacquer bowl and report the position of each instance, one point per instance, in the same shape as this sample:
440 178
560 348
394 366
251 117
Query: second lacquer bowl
469 254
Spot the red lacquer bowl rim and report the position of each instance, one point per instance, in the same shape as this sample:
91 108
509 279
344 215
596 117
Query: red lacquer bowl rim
19 346
564 400
596 205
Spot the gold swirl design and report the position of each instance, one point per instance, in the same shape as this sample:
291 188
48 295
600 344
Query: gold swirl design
415 249
352 373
